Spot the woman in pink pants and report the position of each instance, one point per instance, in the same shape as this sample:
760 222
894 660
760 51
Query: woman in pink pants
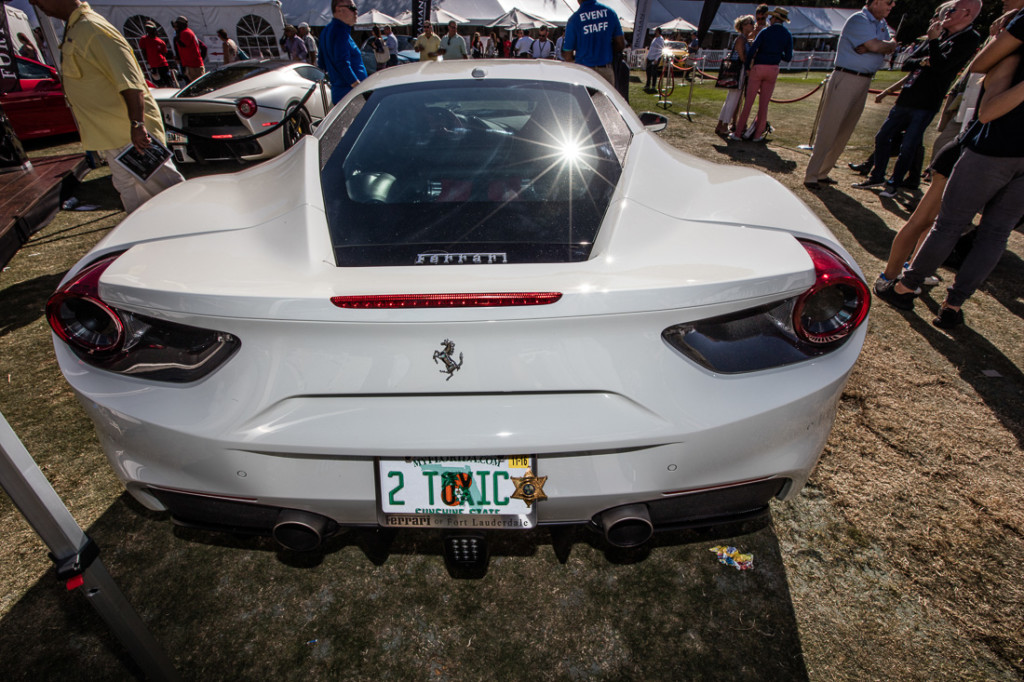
772 46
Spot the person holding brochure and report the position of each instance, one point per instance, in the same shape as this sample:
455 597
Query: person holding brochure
112 105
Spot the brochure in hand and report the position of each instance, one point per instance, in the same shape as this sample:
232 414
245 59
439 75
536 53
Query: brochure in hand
143 164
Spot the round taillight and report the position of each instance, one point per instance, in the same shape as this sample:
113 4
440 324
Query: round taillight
247 107
80 318
835 305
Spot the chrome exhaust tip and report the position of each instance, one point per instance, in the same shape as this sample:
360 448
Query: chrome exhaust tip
628 526
300 531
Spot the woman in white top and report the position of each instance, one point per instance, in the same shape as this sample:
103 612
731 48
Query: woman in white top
745 27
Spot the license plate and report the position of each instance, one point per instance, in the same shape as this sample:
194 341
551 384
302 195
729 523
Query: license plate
173 137
455 492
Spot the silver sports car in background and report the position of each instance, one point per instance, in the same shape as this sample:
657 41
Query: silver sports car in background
484 296
244 111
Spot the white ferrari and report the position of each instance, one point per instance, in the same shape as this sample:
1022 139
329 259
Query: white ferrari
483 296
245 111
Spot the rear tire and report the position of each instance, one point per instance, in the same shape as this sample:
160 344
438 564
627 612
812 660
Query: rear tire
296 125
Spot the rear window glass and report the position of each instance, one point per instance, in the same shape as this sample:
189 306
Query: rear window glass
466 173
223 77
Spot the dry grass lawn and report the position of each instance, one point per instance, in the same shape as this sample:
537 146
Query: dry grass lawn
901 559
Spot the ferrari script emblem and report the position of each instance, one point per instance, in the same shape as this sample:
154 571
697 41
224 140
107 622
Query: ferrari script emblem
445 356
529 488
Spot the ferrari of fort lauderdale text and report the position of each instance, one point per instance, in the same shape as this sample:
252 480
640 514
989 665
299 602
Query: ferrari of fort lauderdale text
244 111
483 296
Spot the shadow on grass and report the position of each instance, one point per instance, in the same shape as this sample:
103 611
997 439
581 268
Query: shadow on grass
973 355
225 607
864 224
24 302
756 154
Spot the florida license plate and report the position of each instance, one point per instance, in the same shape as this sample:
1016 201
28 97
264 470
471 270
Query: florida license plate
457 492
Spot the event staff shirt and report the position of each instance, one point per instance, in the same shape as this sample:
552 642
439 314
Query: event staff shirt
340 58
97 64
859 29
589 34
771 47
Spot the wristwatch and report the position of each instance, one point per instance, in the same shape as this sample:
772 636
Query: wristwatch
138 124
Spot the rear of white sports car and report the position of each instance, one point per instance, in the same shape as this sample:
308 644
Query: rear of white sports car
471 302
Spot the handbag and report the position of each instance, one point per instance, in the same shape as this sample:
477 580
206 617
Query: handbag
729 73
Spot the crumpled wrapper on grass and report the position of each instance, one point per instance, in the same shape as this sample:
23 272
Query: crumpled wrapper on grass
730 556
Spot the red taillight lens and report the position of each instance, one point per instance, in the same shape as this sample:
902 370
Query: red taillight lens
247 107
387 301
80 318
124 342
837 302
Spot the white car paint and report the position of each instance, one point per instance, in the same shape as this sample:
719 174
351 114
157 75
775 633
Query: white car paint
613 413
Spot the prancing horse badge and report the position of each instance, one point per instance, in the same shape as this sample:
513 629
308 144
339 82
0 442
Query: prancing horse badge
445 356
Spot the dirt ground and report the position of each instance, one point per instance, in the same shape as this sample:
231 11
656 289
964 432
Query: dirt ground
899 561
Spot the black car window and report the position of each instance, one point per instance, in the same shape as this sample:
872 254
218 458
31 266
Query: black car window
444 173
29 71
223 77
311 73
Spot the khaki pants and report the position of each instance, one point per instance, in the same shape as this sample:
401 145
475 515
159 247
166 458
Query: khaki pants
845 97
606 73
133 191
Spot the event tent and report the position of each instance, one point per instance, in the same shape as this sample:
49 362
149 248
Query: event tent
237 17
677 24
517 18
805 22
367 20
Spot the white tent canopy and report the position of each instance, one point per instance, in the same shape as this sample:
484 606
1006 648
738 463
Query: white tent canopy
368 20
517 18
677 24
437 16
805 22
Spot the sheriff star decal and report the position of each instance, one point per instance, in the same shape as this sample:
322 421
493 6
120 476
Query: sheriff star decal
529 488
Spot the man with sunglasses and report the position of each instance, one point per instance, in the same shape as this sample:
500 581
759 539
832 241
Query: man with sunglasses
339 55
863 44
933 65
428 44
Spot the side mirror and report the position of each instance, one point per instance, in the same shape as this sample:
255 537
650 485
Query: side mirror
654 121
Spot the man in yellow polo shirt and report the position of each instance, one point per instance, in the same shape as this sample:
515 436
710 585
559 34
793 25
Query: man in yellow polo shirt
109 97
427 43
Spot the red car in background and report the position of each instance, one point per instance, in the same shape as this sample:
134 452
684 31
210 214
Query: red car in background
38 109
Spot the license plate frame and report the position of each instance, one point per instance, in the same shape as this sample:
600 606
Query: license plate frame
405 488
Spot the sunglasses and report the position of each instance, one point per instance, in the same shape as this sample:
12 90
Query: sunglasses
351 7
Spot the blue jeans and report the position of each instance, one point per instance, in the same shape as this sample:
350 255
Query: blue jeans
913 123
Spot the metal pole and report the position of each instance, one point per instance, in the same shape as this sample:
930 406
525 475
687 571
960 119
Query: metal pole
817 114
52 42
75 554
689 114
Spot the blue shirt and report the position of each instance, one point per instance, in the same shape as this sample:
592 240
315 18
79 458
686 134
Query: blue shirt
589 34
340 58
859 29
771 46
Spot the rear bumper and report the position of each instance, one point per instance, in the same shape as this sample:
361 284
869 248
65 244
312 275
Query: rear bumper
706 509
215 150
